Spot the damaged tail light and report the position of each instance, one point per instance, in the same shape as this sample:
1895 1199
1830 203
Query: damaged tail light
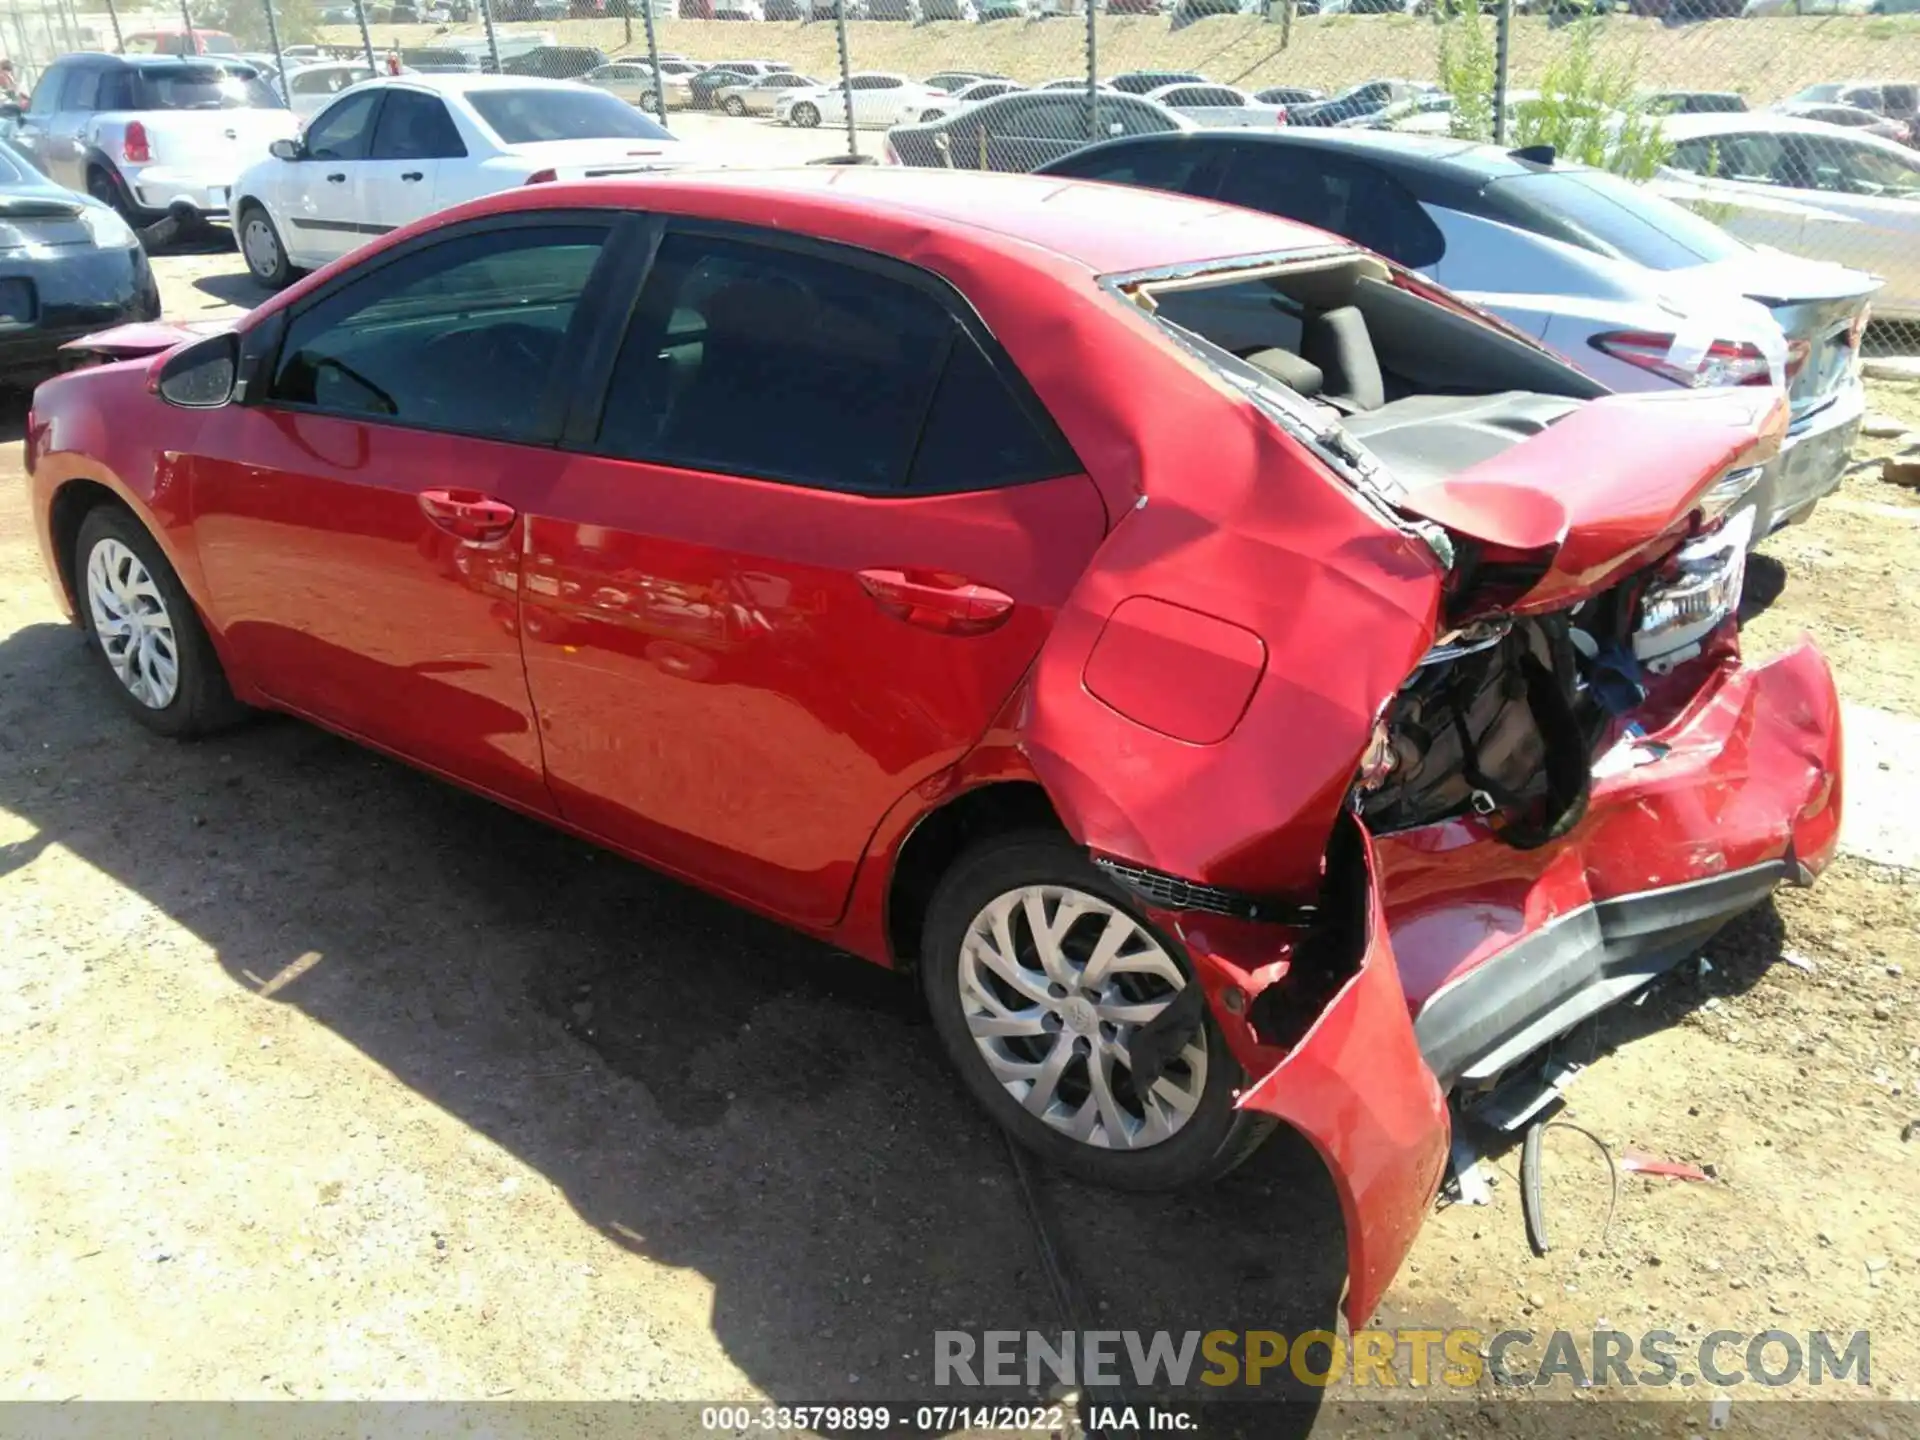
135 147
1724 362
1696 590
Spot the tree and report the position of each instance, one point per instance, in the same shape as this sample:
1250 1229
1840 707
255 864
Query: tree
1588 106
246 20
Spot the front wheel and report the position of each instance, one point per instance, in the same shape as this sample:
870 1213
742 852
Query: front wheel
144 628
806 116
734 106
650 102
260 246
927 117
1076 1023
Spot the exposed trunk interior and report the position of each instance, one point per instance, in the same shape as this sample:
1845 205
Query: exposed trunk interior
1504 717
1429 391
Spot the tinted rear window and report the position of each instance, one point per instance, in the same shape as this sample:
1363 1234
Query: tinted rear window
527 117
1595 210
188 86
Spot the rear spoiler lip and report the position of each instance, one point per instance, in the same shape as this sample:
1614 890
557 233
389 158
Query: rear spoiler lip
143 338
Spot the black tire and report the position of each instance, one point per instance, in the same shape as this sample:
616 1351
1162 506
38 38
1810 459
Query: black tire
1213 1140
202 701
109 191
276 275
734 106
806 116
650 103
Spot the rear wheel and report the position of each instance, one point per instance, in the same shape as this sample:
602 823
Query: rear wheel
1051 994
734 105
650 102
806 116
260 246
145 630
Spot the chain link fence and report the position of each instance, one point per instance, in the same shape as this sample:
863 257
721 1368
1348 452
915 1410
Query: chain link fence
1792 123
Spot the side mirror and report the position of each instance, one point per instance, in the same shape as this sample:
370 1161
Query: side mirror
201 376
286 150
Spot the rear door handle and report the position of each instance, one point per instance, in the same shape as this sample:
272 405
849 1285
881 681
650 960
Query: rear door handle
468 514
413 175
935 600
337 178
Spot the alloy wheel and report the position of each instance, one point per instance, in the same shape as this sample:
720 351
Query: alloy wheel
735 106
131 622
1054 983
806 116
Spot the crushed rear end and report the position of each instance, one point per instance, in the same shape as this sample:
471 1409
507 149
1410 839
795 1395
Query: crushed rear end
1421 721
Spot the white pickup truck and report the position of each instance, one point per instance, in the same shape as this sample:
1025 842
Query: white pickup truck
141 132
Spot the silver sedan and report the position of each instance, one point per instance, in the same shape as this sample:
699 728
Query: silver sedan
759 96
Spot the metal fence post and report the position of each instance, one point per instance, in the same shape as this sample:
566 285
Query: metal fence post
1093 72
279 60
653 58
114 16
846 73
486 15
186 19
1502 38
626 18
366 35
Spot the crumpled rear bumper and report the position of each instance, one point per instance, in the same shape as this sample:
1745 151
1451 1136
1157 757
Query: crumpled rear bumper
1354 1086
1746 793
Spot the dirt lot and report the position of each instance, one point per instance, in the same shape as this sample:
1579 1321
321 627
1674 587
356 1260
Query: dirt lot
321 1079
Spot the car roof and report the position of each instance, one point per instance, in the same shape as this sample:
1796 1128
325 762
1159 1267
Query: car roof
1432 166
462 81
910 212
143 62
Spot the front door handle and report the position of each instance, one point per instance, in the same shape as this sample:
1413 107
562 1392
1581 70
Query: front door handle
413 175
936 600
468 514
337 178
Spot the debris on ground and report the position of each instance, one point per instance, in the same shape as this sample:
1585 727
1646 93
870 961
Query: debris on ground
1638 1163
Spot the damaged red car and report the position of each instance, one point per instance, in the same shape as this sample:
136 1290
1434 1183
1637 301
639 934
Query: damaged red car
1246 685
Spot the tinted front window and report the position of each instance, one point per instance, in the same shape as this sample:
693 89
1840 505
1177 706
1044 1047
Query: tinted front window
1347 199
1612 217
415 127
188 86
528 117
345 131
446 338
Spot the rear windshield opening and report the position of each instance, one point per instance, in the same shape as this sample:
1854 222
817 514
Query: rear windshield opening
1609 216
530 117
188 86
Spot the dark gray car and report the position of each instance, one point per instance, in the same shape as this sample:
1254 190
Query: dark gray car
68 266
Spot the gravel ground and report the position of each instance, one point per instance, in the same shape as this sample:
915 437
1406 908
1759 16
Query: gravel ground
321 1079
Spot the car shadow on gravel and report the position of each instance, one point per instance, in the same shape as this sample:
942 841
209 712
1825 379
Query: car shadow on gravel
707 1089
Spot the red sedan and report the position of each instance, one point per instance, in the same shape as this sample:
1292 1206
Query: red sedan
1245 685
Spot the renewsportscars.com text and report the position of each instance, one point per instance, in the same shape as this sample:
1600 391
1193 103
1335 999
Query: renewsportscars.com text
1453 1359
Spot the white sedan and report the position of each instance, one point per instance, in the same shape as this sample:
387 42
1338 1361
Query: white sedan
878 99
1806 188
389 151
310 88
